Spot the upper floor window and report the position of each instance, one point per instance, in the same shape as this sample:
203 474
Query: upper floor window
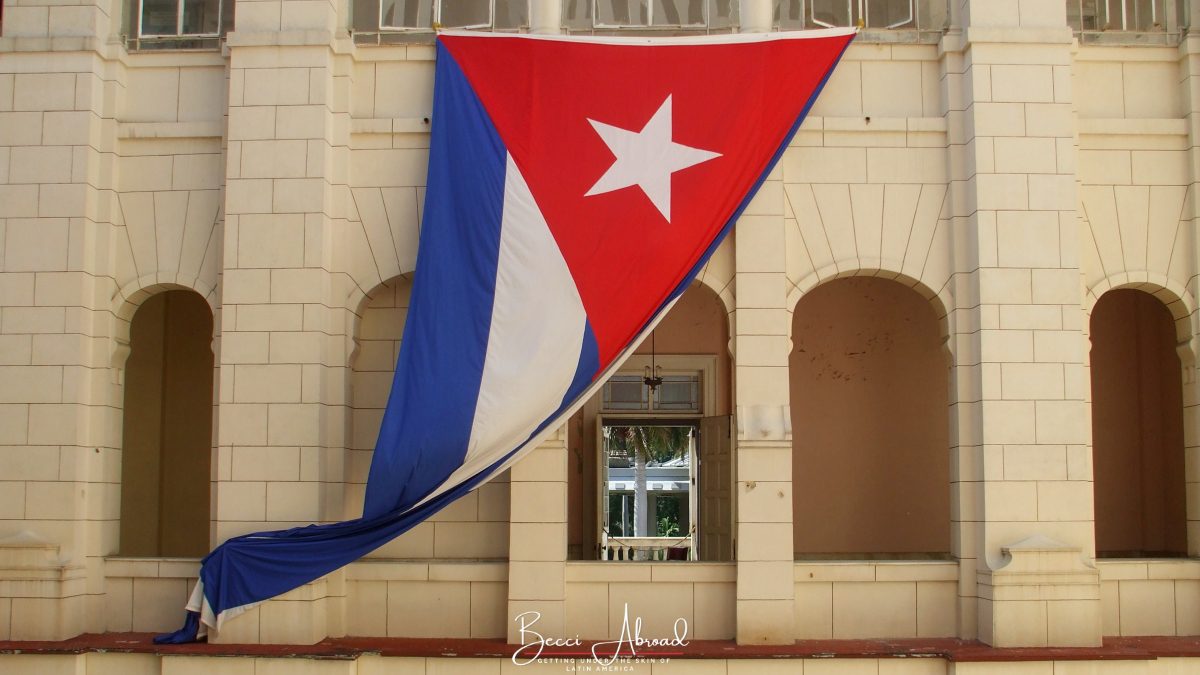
1118 20
178 24
375 16
652 14
922 15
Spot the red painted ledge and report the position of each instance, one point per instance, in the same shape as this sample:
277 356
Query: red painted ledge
1115 648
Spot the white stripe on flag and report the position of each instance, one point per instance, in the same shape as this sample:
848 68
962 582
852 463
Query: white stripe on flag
536 334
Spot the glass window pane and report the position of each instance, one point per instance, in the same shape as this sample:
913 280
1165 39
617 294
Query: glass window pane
511 14
365 15
201 17
884 13
226 16
789 14
622 12
625 392
159 17
678 393
933 14
459 13
679 12
406 14
722 13
1145 15
1112 18
829 13
576 14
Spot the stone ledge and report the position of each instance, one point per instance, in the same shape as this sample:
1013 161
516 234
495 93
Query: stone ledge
390 125
145 130
950 649
872 570
1133 127
381 569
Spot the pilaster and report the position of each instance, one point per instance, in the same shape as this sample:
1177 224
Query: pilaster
537 549
1189 67
59 433
763 542
1020 468
283 362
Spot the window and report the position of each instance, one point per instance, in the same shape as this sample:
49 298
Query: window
178 24
1115 20
886 14
663 14
398 16
677 393
674 500
647 490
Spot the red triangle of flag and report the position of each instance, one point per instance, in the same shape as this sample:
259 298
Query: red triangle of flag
736 96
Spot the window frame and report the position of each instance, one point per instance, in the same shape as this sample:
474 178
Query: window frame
650 25
435 18
704 365
179 34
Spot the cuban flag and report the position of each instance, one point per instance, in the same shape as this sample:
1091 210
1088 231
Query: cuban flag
576 187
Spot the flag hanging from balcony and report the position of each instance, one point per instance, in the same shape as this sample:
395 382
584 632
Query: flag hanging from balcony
576 186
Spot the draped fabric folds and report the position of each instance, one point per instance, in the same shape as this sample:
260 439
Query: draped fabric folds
576 187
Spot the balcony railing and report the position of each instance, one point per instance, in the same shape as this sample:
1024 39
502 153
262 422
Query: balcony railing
1127 21
647 548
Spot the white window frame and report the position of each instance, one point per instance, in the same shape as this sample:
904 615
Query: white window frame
705 365
596 23
436 18
863 14
179 23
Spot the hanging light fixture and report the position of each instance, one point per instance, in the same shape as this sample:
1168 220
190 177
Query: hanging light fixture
653 372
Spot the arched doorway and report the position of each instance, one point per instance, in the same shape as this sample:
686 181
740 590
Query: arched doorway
870 423
168 412
1137 428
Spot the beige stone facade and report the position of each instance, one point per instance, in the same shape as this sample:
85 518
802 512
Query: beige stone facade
1009 171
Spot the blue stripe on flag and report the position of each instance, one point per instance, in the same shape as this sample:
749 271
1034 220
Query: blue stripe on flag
427 423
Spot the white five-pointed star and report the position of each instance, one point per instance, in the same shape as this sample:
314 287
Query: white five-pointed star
646 158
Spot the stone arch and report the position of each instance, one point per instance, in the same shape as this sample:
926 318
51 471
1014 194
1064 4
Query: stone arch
1173 295
131 296
940 300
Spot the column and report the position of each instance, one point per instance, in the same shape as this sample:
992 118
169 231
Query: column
1189 67
283 357
537 536
761 323
59 434
1022 487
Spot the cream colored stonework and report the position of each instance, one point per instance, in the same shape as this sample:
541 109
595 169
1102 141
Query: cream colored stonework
1006 173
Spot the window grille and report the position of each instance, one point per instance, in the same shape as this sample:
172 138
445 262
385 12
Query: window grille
1125 21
